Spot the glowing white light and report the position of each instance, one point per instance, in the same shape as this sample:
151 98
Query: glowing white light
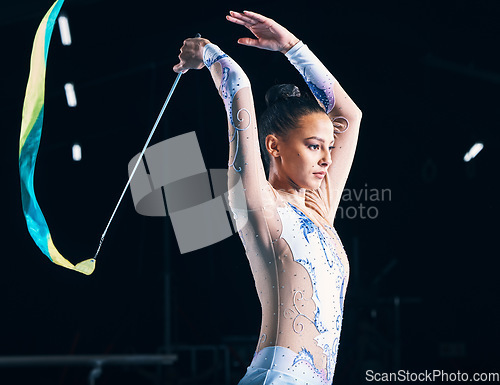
474 150
70 94
77 153
64 30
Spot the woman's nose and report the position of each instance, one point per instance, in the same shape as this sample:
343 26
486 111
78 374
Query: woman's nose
326 160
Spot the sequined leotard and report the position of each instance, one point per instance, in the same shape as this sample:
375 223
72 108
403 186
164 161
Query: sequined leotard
296 257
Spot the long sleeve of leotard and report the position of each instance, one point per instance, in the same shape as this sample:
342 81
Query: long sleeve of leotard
321 83
245 163
343 113
317 77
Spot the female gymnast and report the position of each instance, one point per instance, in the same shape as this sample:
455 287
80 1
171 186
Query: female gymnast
285 220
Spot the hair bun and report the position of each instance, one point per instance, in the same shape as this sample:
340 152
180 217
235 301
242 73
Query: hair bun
281 92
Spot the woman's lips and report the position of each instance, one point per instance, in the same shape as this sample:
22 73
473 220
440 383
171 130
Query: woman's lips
320 174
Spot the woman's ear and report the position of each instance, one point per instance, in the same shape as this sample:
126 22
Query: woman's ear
272 146
340 125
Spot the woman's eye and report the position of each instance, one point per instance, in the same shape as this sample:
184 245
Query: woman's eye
314 146
331 148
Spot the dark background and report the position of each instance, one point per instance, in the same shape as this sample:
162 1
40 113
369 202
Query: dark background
426 75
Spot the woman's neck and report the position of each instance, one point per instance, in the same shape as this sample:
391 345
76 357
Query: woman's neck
284 184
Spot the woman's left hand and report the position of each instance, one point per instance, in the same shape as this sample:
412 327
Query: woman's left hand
270 35
191 56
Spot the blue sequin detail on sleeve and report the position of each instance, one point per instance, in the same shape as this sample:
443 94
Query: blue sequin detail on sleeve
319 94
211 61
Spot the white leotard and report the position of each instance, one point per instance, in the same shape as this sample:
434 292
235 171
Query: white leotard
296 257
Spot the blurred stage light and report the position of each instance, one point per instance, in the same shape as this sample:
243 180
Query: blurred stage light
77 153
64 30
70 94
474 150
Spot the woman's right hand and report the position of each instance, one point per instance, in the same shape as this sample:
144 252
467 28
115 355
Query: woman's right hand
191 56
269 34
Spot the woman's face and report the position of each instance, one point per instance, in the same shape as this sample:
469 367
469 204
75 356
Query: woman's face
305 154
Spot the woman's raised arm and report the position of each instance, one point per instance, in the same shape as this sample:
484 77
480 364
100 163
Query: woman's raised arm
245 163
343 112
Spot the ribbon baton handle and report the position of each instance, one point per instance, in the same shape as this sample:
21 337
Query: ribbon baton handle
167 100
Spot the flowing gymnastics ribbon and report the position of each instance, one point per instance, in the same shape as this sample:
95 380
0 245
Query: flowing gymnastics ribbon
29 142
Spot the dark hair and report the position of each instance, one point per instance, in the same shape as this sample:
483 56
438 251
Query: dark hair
285 106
